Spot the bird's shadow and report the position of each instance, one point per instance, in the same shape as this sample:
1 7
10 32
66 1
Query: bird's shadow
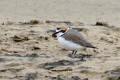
51 65
81 57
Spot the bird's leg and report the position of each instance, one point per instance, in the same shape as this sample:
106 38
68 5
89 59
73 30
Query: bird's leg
73 52
72 55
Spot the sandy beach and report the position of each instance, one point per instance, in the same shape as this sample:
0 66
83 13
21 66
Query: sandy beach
29 52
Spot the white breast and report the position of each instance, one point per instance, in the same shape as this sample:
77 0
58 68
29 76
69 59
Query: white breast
68 44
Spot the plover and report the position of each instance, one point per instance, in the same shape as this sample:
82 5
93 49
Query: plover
70 39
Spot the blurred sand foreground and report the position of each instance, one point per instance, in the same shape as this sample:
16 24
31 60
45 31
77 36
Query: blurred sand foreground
28 51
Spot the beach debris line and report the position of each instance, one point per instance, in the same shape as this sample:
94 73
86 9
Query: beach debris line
65 22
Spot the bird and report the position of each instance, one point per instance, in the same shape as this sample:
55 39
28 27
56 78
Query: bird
71 39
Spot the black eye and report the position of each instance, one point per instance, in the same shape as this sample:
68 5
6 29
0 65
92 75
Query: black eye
58 28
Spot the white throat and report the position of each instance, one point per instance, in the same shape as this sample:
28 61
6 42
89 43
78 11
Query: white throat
59 34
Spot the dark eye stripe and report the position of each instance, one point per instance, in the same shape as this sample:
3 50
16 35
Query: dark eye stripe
58 28
62 31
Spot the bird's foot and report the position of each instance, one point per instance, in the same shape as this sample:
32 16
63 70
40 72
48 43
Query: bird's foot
86 55
81 58
72 55
76 56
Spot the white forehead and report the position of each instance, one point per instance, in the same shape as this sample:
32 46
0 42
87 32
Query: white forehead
57 30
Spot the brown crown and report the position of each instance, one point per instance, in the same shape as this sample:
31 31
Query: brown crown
64 28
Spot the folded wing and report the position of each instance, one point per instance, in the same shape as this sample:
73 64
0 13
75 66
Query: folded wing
76 37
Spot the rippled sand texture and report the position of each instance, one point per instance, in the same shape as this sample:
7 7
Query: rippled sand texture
29 52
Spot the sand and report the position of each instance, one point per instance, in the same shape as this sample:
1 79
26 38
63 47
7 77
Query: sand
25 47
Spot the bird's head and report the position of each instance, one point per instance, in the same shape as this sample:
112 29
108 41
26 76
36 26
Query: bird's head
60 31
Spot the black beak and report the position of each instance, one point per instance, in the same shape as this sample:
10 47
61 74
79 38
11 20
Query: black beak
52 31
54 34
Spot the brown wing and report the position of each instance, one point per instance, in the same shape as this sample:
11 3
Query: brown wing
76 37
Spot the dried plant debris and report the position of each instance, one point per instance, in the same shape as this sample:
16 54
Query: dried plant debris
34 22
31 22
99 23
36 47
